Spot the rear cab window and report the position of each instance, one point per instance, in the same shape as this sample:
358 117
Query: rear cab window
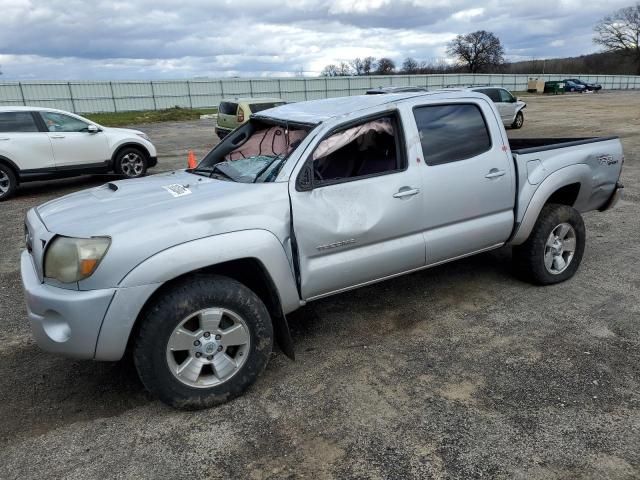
228 108
450 133
17 122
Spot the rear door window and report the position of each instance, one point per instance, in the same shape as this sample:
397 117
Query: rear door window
17 122
449 133
258 107
228 108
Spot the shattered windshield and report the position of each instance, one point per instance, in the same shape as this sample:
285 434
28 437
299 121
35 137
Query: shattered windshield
258 159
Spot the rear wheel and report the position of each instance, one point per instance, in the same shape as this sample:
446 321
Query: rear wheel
131 163
554 250
8 182
519 121
203 342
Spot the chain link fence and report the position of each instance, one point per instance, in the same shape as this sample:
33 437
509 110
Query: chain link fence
92 97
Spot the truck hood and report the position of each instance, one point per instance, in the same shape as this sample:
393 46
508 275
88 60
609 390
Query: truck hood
148 215
155 204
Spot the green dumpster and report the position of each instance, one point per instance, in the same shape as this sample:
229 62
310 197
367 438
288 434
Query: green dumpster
554 87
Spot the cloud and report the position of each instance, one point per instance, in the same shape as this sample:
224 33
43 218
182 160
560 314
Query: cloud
102 39
467 15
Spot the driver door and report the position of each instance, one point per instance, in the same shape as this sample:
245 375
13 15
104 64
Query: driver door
507 106
356 215
73 146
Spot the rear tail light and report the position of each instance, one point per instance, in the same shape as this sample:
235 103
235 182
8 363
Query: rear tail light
240 115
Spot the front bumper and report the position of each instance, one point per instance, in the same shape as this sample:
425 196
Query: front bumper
63 321
614 198
222 132
81 324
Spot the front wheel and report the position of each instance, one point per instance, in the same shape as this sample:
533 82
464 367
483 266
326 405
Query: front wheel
519 121
131 163
554 249
203 342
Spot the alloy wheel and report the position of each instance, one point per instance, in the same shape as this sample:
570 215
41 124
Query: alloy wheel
5 183
208 347
132 164
560 248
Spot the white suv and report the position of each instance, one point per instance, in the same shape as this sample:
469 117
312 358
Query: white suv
510 107
42 143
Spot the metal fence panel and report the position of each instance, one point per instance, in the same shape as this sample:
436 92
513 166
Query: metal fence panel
102 96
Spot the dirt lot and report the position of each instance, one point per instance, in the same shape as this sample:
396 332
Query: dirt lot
460 371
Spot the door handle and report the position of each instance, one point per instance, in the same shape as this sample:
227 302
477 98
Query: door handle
57 136
406 192
4 139
495 173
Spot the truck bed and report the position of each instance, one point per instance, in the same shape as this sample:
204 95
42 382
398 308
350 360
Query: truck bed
533 145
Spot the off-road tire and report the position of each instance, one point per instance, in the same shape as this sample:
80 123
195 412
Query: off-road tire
9 182
528 258
124 166
177 302
518 122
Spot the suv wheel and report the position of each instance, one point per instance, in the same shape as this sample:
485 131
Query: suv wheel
553 251
203 342
8 182
131 163
519 121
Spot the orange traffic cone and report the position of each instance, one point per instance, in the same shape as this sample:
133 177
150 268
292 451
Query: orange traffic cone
191 160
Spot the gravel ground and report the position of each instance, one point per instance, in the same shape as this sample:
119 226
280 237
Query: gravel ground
460 371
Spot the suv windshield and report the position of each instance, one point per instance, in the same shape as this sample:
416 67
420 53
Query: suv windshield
256 159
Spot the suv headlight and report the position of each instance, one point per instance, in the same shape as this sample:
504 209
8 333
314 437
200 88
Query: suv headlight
73 259
143 135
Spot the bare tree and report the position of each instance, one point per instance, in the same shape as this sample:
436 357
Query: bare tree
357 64
386 66
368 65
330 71
344 69
410 66
479 51
620 32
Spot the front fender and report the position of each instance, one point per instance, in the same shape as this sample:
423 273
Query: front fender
142 281
579 173
121 143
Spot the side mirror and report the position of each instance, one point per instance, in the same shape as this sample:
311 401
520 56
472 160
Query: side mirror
515 99
93 129
304 182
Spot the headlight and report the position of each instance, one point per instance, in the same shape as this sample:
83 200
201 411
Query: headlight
72 259
143 135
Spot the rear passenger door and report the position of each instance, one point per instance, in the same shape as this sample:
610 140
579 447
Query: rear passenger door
467 176
22 142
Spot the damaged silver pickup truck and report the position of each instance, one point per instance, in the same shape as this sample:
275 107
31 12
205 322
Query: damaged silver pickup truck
196 270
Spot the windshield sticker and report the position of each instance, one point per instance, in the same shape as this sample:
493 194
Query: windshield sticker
177 190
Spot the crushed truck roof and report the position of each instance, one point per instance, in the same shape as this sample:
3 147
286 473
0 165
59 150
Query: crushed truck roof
317 111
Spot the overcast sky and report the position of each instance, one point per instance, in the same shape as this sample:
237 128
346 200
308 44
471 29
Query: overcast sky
155 39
